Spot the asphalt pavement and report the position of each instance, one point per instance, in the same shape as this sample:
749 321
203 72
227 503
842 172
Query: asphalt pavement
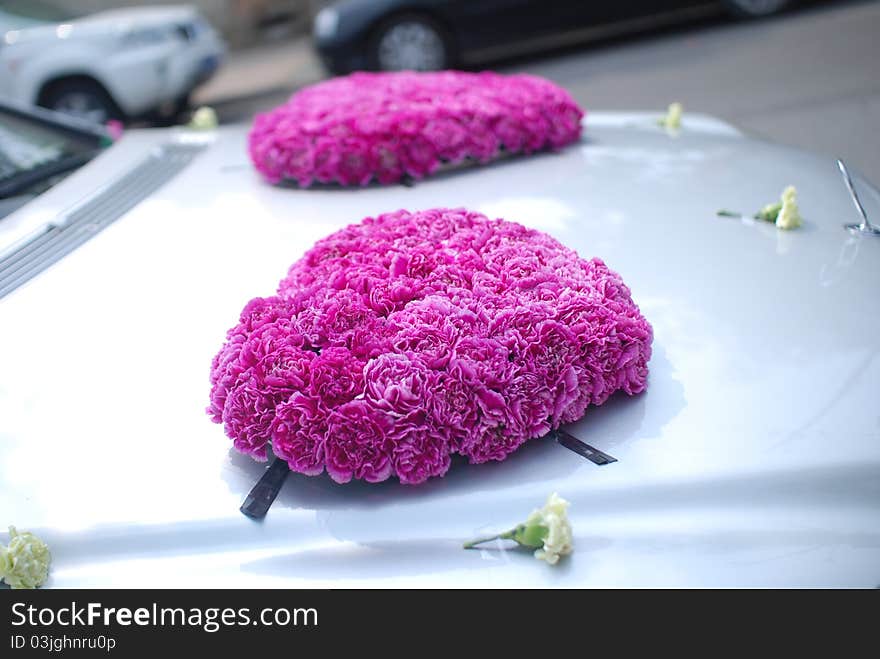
808 78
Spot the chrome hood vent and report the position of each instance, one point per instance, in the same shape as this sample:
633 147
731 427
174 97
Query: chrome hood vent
77 225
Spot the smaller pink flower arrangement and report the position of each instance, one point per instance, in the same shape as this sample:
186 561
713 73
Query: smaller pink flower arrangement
407 338
384 126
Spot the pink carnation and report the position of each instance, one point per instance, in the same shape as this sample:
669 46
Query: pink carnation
299 432
400 341
357 444
419 454
384 126
398 383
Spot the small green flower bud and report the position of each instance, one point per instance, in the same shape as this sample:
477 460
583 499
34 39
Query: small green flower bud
789 214
672 119
203 119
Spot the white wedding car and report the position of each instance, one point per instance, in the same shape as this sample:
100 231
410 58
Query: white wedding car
753 458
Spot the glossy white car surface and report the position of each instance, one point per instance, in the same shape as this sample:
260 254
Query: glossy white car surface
753 459
142 57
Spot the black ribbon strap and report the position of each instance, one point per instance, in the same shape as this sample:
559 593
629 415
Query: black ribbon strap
258 500
583 449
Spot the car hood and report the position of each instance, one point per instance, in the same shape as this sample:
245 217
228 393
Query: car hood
753 459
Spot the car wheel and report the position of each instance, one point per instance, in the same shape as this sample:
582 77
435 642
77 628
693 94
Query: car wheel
410 42
82 98
756 8
169 113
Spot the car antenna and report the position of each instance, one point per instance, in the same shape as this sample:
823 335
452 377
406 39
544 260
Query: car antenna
865 226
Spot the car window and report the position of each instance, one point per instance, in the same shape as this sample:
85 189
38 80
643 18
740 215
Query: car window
37 148
35 10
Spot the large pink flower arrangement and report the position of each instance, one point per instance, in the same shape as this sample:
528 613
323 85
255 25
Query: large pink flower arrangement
399 341
383 126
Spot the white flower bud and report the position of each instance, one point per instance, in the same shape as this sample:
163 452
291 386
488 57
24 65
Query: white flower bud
558 540
672 119
546 530
205 118
24 563
789 215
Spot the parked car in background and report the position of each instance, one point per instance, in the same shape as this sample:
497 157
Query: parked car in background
427 35
114 64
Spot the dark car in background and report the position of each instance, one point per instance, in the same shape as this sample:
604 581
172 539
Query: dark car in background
435 34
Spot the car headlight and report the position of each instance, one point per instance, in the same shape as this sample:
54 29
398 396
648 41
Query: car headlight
149 36
326 23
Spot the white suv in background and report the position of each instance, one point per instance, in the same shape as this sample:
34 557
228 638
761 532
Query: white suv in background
114 64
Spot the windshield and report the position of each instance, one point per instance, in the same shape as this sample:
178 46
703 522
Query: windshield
36 150
24 12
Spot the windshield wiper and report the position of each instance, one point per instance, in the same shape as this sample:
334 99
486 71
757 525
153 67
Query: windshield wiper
23 181
12 204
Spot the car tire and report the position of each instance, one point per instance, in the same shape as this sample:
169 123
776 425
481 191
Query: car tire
756 8
410 42
81 97
170 113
